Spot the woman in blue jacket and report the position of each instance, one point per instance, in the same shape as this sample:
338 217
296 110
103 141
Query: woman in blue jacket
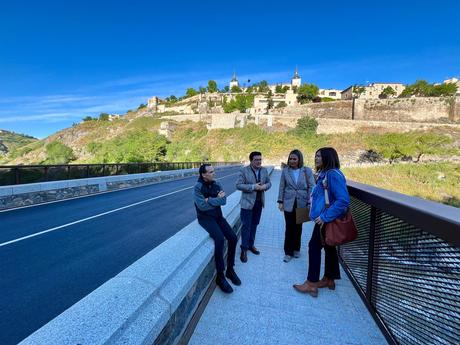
329 176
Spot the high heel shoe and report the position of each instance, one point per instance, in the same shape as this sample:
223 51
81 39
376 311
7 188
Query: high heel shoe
307 287
326 282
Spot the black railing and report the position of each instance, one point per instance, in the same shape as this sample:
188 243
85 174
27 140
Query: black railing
405 265
20 174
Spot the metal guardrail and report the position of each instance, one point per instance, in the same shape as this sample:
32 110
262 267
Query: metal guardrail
405 265
22 174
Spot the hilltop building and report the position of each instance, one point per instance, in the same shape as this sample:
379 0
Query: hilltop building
330 93
234 81
373 90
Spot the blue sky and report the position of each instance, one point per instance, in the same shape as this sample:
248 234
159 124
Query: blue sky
63 60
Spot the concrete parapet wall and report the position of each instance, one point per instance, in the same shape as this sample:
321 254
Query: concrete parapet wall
151 301
35 193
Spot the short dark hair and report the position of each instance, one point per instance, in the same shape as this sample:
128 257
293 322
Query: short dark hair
299 156
253 154
329 157
202 169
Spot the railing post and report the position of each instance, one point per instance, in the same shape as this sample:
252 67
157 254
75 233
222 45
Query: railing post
370 263
45 177
87 171
68 172
17 179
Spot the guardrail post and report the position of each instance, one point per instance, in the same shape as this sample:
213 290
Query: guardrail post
68 172
17 179
370 263
45 177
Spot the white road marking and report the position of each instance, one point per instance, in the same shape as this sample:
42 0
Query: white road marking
99 215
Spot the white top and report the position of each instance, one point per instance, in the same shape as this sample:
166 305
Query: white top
295 174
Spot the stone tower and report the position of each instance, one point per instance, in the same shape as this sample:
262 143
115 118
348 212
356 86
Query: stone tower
234 81
296 81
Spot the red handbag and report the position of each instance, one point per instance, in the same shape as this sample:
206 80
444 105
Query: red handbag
341 230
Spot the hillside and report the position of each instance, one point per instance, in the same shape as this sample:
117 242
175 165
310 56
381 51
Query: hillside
10 141
134 137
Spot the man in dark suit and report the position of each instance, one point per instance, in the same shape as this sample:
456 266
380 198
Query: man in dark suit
252 181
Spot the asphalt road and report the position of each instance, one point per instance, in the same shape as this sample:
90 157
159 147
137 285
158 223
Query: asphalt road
52 255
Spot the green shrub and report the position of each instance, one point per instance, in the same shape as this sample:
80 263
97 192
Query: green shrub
306 126
58 153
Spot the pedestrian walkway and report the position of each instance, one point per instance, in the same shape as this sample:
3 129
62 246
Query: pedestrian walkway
266 309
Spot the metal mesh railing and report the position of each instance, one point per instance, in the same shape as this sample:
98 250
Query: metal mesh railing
406 266
21 174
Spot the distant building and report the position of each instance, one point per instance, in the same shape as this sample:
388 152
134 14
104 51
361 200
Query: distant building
331 93
373 90
234 81
296 81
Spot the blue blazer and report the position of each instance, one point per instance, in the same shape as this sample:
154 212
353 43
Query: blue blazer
339 198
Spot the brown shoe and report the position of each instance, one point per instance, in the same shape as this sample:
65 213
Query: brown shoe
244 256
326 282
307 287
254 250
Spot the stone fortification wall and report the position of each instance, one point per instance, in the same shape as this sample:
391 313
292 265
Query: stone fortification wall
331 126
420 109
332 110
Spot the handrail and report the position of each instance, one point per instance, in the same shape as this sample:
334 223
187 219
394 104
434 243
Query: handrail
404 264
22 174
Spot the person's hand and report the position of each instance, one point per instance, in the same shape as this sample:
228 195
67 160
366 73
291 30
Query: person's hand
319 221
221 194
258 187
281 206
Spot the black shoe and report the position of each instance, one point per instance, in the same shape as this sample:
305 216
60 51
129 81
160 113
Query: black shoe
244 256
254 250
223 283
231 274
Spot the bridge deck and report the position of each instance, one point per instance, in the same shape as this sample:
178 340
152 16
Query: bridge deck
265 309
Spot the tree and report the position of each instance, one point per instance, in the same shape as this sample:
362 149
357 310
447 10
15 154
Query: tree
241 103
191 92
306 126
263 86
358 90
387 92
236 89
306 93
212 86
104 117
142 106
202 89
171 99
58 153
280 105
281 89
225 89
87 118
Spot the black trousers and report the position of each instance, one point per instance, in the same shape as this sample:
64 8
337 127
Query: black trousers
331 265
293 233
219 230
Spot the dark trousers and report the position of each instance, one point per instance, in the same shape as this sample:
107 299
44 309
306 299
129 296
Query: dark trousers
293 233
331 265
249 221
219 230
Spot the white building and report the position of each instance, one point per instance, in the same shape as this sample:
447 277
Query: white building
234 82
373 90
330 93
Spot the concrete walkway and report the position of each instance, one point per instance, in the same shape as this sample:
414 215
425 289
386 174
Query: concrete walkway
265 309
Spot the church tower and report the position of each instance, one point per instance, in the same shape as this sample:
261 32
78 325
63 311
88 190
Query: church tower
296 81
234 81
